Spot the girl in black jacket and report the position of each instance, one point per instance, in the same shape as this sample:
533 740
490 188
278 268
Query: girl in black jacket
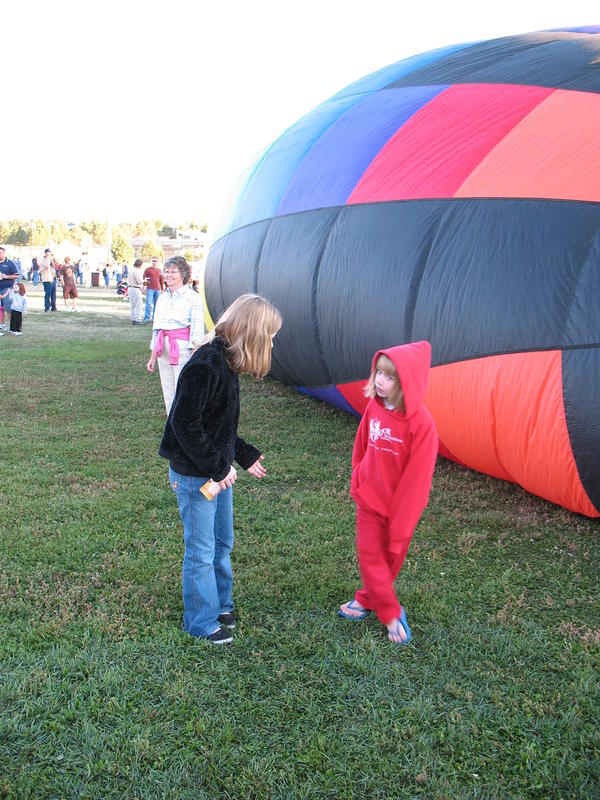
201 442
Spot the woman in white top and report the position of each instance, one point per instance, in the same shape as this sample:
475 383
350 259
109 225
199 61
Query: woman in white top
135 282
178 326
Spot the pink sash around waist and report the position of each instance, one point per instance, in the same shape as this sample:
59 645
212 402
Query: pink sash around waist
172 344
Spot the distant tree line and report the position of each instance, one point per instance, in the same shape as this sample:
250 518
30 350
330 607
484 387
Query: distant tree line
37 233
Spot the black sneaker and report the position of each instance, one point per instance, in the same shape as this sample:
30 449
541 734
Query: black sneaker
220 636
227 620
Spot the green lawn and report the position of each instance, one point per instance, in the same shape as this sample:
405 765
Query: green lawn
103 696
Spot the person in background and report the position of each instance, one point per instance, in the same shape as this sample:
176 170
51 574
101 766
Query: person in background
106 275
18 308
8 276
178 326
135 280
48 276
153 278
67 279
35 271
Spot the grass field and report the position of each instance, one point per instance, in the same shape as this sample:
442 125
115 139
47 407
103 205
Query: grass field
103 696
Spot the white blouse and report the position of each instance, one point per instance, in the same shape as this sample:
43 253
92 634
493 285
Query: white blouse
179 309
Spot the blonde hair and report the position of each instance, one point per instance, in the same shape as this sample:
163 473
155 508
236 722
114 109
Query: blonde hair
386 365
248 325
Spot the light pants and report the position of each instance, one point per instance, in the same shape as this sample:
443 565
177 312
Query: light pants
169 373
135 304
207 578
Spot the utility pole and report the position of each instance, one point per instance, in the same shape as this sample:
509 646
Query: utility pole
109 246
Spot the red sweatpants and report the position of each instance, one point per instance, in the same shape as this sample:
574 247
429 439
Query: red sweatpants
378 566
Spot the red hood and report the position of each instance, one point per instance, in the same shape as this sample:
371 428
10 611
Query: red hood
412 363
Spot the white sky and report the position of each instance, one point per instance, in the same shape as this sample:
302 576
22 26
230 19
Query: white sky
140 109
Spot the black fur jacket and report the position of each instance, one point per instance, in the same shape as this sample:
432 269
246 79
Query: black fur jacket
200 438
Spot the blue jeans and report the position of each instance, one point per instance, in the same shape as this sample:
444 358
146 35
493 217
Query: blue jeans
49 295
207 578
152 296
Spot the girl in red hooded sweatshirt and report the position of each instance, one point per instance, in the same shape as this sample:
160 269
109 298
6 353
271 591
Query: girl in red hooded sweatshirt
392 467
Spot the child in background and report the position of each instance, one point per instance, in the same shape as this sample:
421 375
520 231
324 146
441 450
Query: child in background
18 308
392 468
67 279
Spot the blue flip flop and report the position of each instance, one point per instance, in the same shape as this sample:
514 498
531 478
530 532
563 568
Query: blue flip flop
402 622
354 617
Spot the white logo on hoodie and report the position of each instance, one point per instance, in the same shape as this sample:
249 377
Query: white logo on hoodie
376 432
